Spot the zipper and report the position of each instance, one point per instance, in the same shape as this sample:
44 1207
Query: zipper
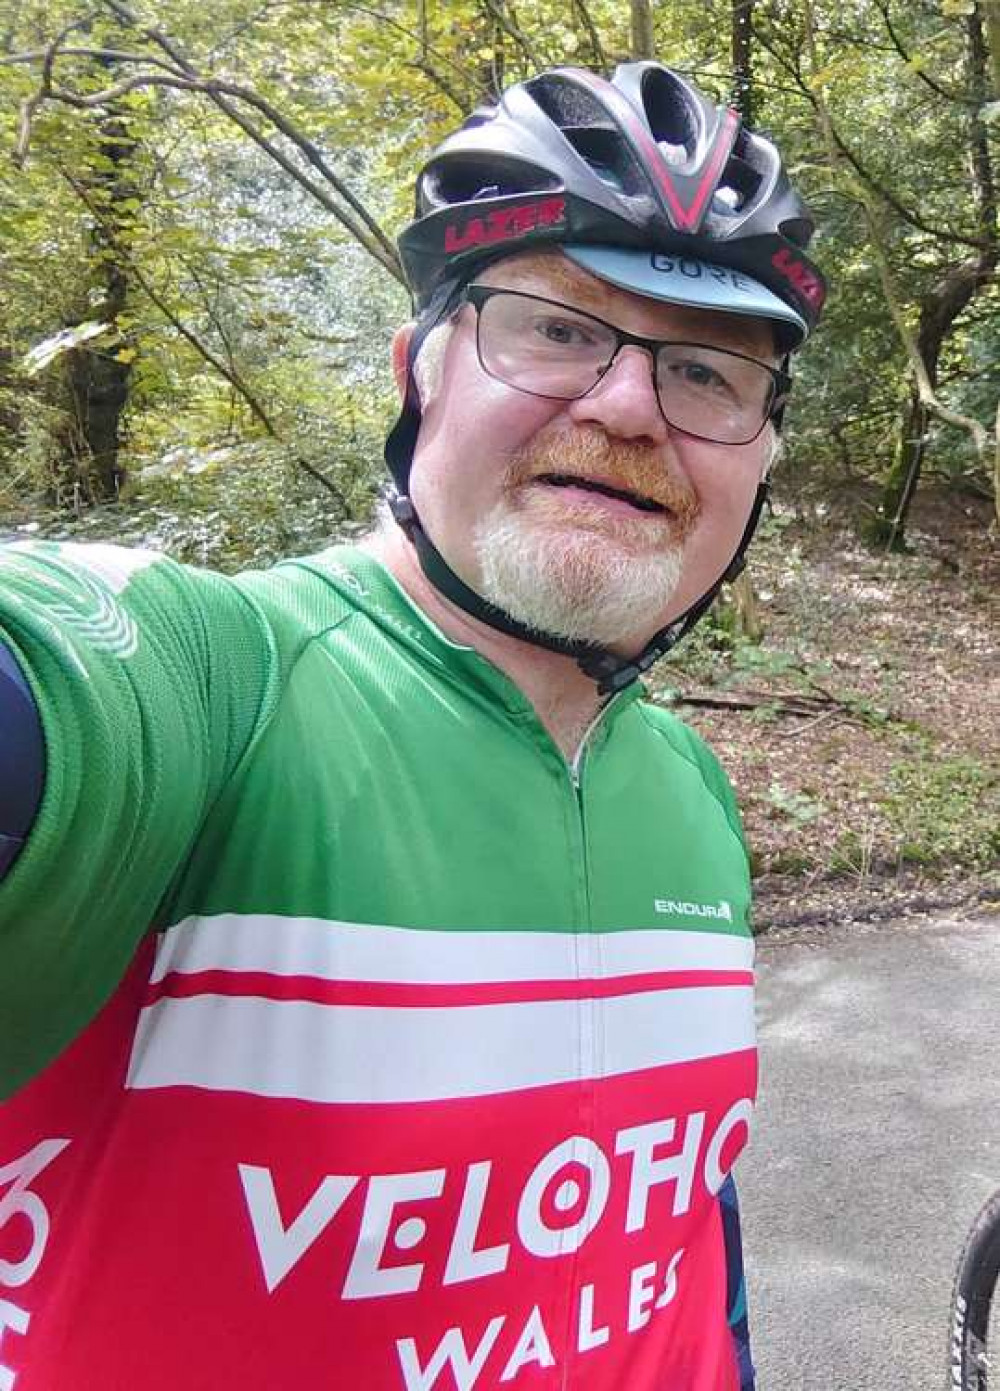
574 765
591 1035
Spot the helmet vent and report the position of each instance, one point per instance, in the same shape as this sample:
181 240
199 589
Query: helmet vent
670 111
673 154
609 157
567 104
470 180
738 186
587 127
798 230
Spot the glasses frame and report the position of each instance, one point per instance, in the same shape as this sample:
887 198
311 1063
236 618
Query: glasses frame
781 382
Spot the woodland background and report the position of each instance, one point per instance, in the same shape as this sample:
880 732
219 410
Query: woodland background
198 283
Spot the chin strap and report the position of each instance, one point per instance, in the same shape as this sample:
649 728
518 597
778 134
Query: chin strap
446 582
612 673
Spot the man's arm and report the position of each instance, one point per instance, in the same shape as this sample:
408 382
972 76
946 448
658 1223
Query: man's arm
147 682
736 1296
22 759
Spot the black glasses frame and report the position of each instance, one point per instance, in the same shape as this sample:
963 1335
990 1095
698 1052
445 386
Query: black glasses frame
781 382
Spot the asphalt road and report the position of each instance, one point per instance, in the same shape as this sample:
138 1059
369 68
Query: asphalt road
877 1138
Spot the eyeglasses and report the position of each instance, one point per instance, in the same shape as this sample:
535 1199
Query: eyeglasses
549 349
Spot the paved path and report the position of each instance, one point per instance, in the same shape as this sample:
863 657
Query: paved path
877 1137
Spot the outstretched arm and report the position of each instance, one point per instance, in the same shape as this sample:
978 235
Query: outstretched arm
22 759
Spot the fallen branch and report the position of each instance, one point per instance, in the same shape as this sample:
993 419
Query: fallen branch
820 706
781 702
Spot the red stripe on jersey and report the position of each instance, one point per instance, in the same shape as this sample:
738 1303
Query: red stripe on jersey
407 995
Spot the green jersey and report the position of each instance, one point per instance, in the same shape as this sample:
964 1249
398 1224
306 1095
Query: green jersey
354 1037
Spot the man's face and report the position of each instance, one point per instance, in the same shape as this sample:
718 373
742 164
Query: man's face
494 469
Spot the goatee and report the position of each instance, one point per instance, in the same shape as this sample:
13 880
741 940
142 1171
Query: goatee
562 572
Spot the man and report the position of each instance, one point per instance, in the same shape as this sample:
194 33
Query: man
376 969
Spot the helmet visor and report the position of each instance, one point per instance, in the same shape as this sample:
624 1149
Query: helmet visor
688 281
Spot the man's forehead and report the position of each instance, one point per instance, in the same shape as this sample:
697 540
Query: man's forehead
548 272
548 269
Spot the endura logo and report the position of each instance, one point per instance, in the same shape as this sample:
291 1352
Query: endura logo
678 909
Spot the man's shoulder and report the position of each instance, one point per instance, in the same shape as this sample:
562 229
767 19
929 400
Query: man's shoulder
310 596
679 735
686 743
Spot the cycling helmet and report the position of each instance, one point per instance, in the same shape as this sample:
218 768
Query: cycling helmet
644 161
637 178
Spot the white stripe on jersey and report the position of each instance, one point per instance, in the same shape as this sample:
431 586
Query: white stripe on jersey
288 946
345 1053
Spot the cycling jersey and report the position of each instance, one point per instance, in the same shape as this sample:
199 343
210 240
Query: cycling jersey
354 1039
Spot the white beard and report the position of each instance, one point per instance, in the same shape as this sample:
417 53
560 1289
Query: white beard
573 583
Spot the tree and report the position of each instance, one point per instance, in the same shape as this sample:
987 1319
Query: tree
742 51
930 227
238 245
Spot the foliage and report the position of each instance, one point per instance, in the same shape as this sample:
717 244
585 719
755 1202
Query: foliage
250 309
944 810
231 508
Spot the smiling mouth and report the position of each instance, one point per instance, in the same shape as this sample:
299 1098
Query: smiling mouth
590 485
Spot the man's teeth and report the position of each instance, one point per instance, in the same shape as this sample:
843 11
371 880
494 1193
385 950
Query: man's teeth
568 480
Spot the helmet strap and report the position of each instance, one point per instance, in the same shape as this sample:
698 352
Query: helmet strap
402 438
446 582
611 672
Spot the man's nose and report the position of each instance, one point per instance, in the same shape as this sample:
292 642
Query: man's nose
624 402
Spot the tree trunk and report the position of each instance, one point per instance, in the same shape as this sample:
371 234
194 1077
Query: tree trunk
746 616
742 51
98 384
9 415
747 621
97 379
941 307
991 18
643 40
888 528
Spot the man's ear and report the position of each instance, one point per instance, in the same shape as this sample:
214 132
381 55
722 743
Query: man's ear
400 350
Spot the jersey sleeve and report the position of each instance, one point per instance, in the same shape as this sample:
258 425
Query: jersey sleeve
150 680
692 747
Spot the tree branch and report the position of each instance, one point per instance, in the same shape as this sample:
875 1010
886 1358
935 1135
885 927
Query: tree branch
596 47
225 95
426 51
855 162
499 12
303 144
107 55
877 241
32 103
883 8
229 374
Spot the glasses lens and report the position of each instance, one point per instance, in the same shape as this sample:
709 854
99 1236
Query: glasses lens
542 348
712 393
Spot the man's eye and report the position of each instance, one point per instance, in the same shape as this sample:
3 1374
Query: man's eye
701 375
563 333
